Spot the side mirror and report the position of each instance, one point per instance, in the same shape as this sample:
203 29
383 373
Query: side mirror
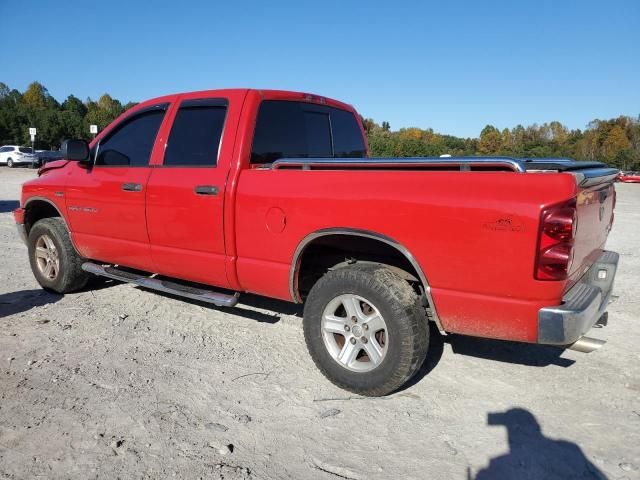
75 150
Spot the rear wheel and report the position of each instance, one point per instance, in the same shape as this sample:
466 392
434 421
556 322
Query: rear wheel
365 329
10 163
54 261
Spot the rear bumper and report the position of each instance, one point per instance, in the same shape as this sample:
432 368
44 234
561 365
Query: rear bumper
581 306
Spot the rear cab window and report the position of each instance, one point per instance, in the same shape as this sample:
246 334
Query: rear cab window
289 129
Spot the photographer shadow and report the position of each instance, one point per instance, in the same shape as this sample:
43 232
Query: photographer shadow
531 455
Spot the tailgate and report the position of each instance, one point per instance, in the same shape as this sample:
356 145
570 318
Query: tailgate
595 203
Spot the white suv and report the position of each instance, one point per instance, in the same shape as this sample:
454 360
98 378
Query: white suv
12 155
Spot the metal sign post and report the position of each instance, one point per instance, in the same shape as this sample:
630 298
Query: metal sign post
94 130
32 133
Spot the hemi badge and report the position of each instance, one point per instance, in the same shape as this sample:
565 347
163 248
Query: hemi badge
58 194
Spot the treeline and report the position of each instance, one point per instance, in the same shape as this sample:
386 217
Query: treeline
615 141
54 121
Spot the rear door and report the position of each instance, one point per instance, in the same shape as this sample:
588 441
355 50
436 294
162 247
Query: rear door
106 203
186 193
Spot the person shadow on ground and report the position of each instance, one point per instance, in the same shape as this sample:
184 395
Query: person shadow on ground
532 455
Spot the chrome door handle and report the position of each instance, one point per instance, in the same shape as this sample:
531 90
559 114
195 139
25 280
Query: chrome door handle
206 190
132 187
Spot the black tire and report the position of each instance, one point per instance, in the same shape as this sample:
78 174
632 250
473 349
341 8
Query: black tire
10 163
401 309
70 276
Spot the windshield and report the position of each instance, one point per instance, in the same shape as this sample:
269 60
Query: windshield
25 149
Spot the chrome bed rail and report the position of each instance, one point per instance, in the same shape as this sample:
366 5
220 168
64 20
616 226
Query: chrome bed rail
464 163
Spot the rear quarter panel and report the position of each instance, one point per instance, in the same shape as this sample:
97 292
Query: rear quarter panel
473 233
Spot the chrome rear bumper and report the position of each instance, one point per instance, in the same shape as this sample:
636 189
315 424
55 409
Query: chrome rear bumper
582 306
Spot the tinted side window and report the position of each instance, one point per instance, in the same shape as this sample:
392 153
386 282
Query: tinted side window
279 132
296 129
195 135
131 143
347 136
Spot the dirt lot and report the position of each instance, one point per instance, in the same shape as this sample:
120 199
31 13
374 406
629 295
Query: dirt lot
116 381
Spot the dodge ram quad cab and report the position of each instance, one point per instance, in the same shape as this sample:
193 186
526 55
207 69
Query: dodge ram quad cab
209 194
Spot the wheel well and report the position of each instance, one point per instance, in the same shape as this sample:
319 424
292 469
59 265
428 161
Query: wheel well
332 251
37 210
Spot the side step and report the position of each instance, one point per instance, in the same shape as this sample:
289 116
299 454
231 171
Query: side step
209 296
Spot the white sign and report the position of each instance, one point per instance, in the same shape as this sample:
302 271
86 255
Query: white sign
33 137
93 129
32 131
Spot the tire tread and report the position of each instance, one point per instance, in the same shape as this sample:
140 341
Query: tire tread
405 305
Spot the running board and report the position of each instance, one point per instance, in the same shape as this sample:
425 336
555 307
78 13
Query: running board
209 296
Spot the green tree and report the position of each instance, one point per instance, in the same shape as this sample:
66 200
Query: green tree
35 96
616 143
490 140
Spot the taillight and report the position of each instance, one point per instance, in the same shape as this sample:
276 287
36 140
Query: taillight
558 224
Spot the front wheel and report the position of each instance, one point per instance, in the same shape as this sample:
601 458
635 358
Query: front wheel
54 261
365 329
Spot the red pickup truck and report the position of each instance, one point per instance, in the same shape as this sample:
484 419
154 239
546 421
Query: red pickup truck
209 194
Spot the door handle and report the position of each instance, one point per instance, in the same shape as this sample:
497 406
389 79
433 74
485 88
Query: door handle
206 190
132 187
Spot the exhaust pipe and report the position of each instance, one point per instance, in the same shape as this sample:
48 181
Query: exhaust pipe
586 345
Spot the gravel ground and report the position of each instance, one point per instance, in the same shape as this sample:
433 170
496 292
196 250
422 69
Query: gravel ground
117 381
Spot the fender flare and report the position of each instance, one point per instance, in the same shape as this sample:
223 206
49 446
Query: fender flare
297 258
50 202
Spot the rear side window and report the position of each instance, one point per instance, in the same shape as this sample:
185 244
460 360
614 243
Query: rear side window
196 132
25 150
287 129
131 143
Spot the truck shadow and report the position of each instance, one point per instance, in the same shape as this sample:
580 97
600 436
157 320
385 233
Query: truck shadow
8 205
487 349
528 354
531 455
21 301
276 308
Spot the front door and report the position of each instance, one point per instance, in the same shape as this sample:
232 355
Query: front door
185 195
106 203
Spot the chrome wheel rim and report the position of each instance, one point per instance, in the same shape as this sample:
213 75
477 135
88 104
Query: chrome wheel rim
354 333
47 258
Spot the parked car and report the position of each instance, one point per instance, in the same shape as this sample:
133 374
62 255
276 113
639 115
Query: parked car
13 155
41 157
271 192
629 177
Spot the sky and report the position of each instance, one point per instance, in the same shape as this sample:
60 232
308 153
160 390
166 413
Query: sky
448 65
